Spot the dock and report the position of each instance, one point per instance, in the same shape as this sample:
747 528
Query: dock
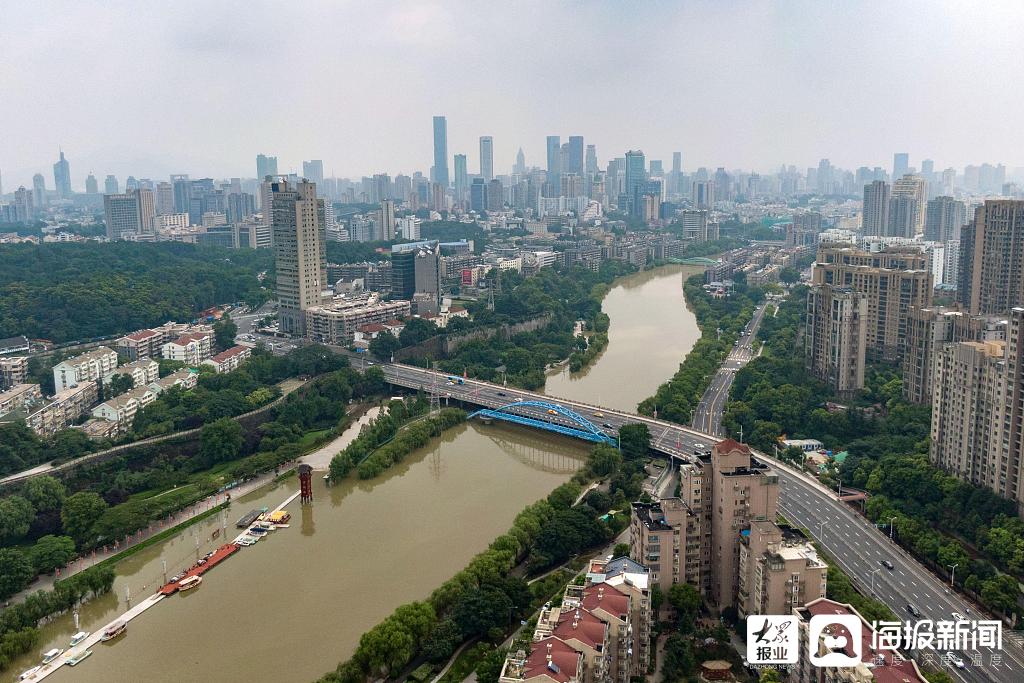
219 555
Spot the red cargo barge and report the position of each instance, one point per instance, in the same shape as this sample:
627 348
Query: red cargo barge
201 567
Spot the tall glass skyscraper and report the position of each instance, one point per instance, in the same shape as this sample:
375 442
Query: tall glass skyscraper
554 159
636 176
575 164
440 170
487 157
62 177
461 178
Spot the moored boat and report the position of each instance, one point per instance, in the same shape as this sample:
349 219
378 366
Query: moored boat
248 518
29 673
190 582
51 655
79 637
77 659
114 630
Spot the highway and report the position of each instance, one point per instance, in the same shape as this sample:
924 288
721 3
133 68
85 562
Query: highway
853 542
707 416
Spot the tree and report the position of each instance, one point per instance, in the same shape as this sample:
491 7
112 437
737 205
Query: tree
15 571
45 493
383 345
789 275
476 612
620 550
686 601
416 330
50 552
770 676
489 668
564 496
16 515
79 513
220 441
635 440
604 460
224 331
118 384
442 641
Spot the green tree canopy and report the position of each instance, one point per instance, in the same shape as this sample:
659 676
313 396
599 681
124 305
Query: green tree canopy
80 512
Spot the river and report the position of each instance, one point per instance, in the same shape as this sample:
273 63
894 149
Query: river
651 332
292 606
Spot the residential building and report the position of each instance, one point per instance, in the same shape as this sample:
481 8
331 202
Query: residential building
912 187
141 371
265 165
835 337
62 409
19 396
634 580
185 378
883 666
550 660
665 536
299 252
779 570
13 370
336 323
613 607
229 360
903 214
14 344
141 344
581 630
875 215
894 280
943 219
991 264
191 348
703 194
121 409
91 366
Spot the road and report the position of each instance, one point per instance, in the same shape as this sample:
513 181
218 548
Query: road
857 545
707 416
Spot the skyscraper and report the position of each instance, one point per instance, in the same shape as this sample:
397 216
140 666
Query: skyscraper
128 214
900 165
387 220
520 166
943 219
164 198
439 173
875 220
92 186
299 251
23 209
554 167
38 191
265 166
903 211
575 164
636 176
461 178
110 185
991 279
913 187
313 171
62 177
590 164
487 157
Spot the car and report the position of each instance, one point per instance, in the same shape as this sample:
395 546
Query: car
607 425
955 659
888 565
914 611
502 393
958 617
552 411
598 414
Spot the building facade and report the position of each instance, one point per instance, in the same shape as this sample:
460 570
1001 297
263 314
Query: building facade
299 252
835 337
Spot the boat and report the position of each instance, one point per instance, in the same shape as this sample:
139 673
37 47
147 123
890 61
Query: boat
77 659
78 637
245 541
256 531
190 582
248 518
279 516
52 655
29 673
114 630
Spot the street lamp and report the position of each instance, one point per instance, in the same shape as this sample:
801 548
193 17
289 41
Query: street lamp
840 488
952 573
821 533
873 580
892 527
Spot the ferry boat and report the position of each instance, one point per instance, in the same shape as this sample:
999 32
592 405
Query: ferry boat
279 516
29 673
78 637
77 659
114 630
248 518
52 655
190 582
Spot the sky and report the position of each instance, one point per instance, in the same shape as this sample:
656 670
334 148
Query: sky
200 87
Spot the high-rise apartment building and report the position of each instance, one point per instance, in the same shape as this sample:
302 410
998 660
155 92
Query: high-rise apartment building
299 251
778 570
387 220
893 280
487 157
915 187
835 337
62 177
991 264
439 172
665 536
265 166
703 194
24 209
903 213
875 215
943 219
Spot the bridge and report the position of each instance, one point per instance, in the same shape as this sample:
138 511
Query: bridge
694 261
560 419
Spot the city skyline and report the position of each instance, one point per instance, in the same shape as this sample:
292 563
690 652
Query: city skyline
170 128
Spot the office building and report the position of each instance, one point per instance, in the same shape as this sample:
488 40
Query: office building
38 191
92 186
461 179
91 366
900 165
129 215
387 220
575 156
415 268
265 166
991 263
439 173
520 165
495 195
703 193
62 177
313 171
875 215
299 251
110 185
630 202
478 200
943 219
487 157
554 160
894 280
835 337
24 208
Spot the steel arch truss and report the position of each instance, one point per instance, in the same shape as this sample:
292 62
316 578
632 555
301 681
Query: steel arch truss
578 427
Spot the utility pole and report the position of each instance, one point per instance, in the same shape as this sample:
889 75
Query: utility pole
873 580
952 573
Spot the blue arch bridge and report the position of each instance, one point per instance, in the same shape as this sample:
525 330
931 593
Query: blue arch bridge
553 418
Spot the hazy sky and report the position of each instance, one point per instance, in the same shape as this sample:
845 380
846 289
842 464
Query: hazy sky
152 88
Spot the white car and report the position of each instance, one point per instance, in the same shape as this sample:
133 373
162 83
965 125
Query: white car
955 659
958 617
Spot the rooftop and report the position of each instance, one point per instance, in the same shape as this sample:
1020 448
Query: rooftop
230 353
142 335
548 657
581 625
